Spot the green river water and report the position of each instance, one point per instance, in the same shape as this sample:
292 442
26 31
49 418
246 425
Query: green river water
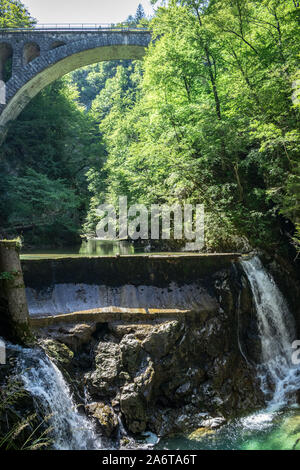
261 431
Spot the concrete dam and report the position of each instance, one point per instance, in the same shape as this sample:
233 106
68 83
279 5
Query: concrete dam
129 288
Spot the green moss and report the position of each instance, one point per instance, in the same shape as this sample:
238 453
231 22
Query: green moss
12 244
59 352
22 333
8 275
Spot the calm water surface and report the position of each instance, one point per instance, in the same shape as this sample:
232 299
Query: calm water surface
87 248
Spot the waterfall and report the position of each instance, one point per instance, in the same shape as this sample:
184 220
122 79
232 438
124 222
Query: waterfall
280 379
44 381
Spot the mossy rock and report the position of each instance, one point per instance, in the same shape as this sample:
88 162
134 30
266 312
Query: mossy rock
58 352
104 416
200 433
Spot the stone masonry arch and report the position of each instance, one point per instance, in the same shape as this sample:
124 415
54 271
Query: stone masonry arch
46 64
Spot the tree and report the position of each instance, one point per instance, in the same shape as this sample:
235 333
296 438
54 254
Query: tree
14 14
209 117
49 170
212 120
140 13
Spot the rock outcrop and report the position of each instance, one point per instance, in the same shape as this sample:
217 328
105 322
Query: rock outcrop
172 376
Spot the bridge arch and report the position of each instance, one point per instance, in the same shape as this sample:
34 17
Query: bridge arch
40 71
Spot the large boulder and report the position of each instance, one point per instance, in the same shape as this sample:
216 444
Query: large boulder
161 339
73 336
133 408
103 380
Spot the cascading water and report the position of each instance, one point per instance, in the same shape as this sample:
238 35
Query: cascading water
280 378
43 380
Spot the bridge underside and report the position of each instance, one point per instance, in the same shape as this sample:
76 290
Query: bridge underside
28 80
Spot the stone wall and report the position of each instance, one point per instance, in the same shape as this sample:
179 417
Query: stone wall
117 271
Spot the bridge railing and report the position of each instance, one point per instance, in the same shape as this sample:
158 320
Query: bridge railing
60 27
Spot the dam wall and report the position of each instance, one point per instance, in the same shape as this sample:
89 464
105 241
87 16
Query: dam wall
116 271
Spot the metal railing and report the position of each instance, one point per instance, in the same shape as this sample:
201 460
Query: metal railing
78 27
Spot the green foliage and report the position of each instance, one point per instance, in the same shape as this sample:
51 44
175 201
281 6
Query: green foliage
7 276
43 187
138 17
91 80
14 14
209 118
20 433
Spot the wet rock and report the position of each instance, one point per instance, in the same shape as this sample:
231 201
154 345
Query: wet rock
103 380
168 421
58 352
162 339
200 433
133 408
213 423
73 336
131 353
183 390
104 416
211 334
145 380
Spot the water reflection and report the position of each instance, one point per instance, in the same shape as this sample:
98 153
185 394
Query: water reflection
87 248
106 247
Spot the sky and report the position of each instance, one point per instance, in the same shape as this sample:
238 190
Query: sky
84 11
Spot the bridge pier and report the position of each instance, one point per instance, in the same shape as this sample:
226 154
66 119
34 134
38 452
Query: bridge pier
17 61
14 316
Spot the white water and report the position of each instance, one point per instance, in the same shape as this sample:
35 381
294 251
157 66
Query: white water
44 381
67 298
280 379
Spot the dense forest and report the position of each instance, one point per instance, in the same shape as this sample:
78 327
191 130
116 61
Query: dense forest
210 116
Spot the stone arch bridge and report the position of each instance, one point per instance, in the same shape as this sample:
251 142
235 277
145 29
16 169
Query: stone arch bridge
32 59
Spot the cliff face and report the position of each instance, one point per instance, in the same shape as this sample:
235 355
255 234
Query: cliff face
170 376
